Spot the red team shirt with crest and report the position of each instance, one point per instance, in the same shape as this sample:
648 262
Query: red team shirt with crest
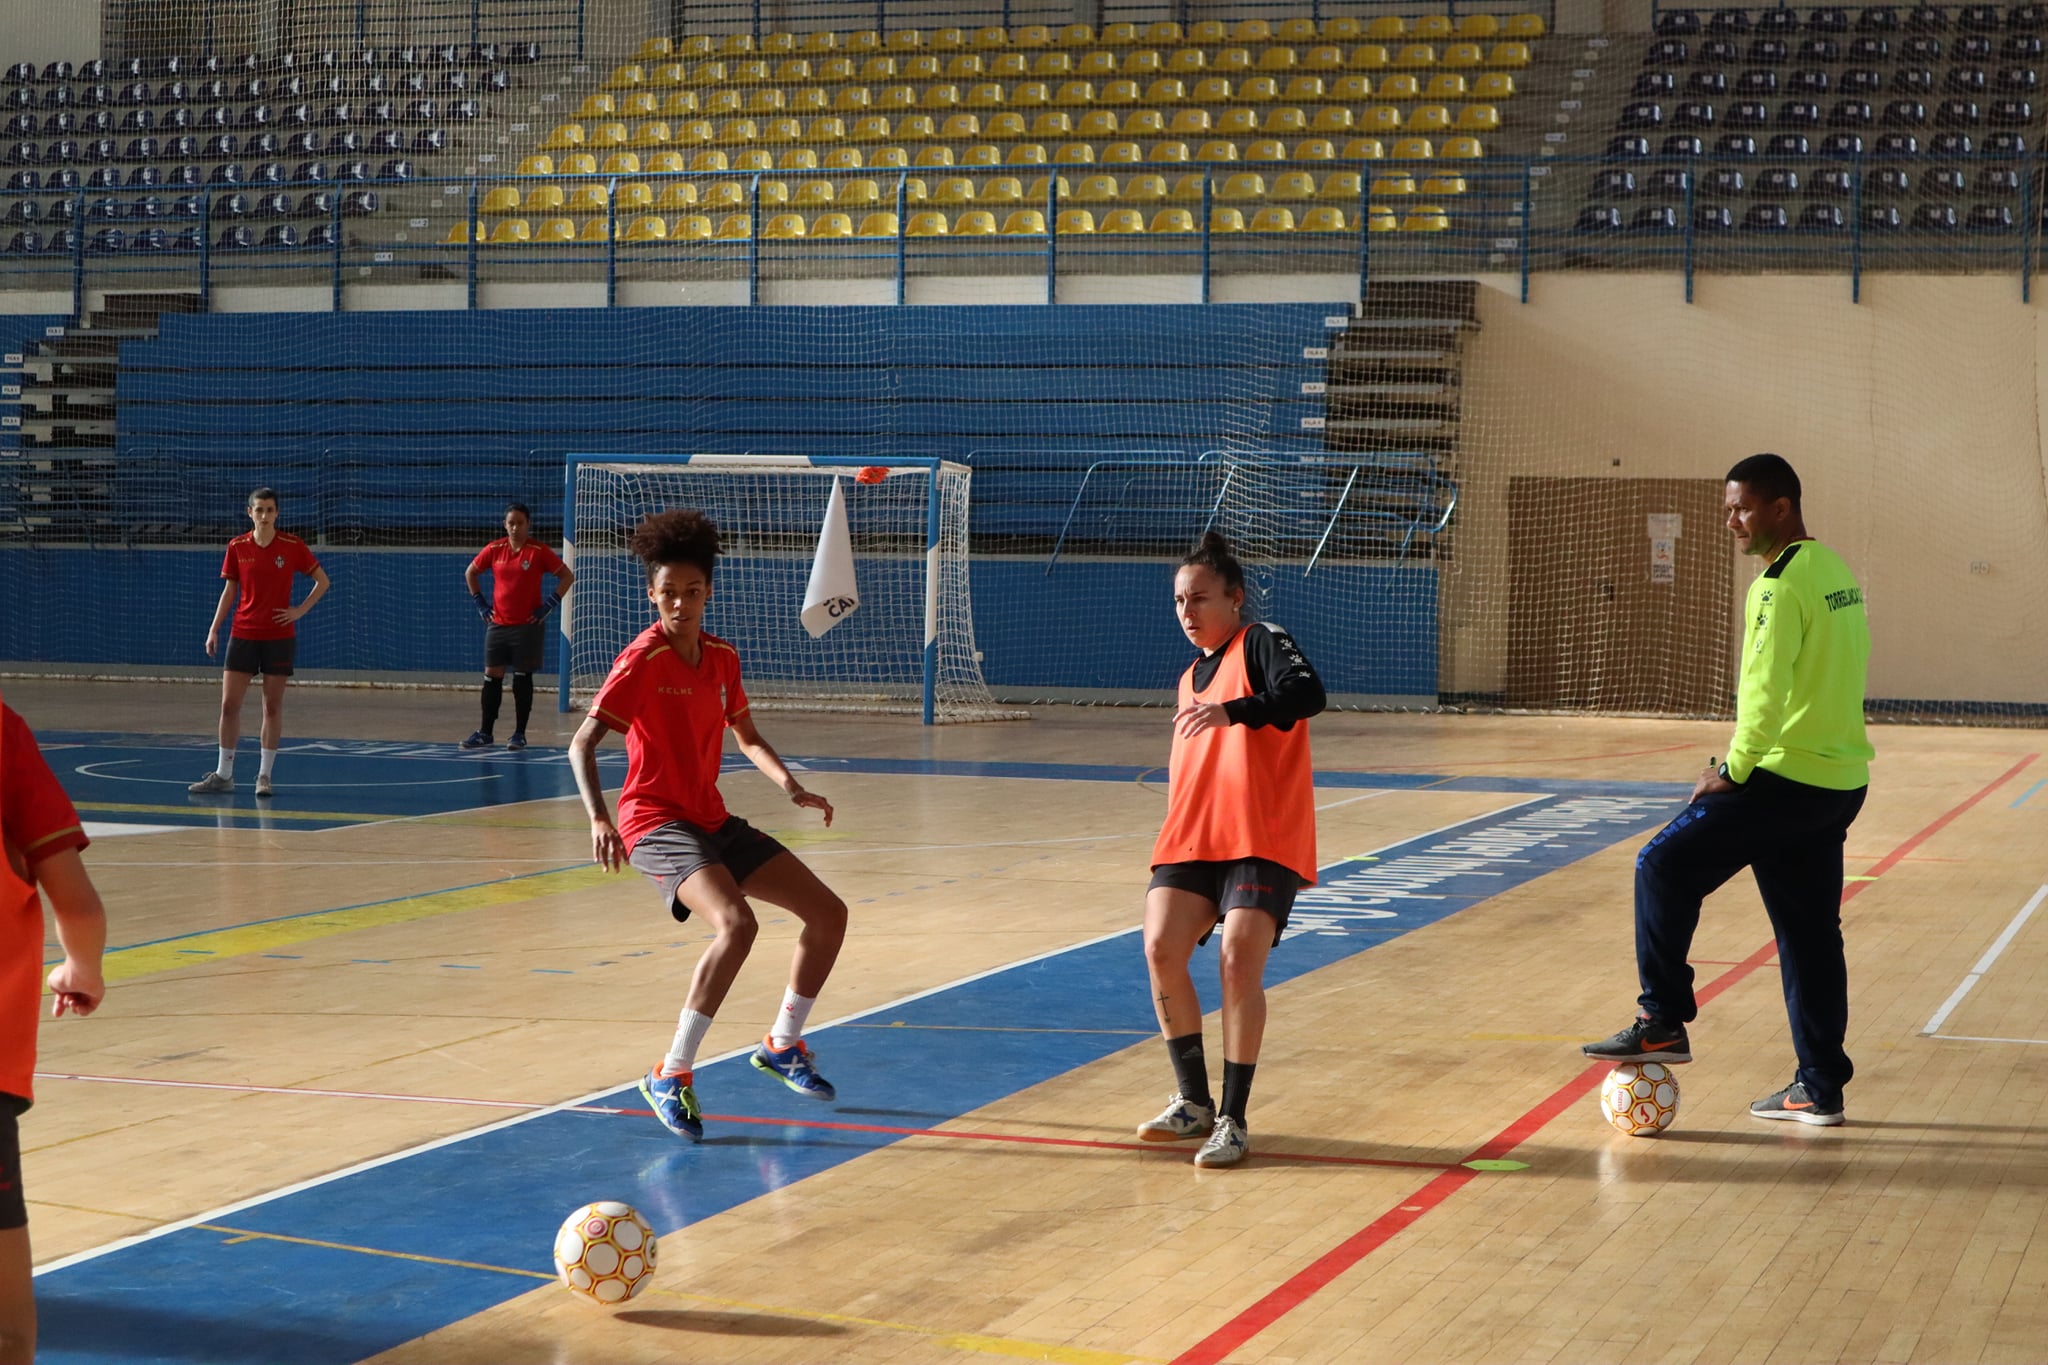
674 718
37 821
265 573
515 578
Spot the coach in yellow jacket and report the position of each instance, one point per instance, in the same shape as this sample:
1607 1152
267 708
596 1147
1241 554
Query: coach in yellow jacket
1797 771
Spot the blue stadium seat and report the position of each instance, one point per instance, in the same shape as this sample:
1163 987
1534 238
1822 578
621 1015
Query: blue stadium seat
264 143
25 180
100 149
227 173
150 239
179 119
63 153
379 112
1897 144
231 206
315 204
255 116
453 82
423 111
97 121
183 147
412 83
322 238
1671 182
376 83
308 143
430 140
1712 218
59 71
295 116
222 145
1822 218
465 110
62 178
1599 218
214 91
131 68
185 175
1935 218
1683 144
277 205
1894 180
522 53
188 240
402 56
283 235
385 140
23 211
398 168
21 72
1944 180
214 116
186 206
1654 218
339 115
98 96
1789 144
106 209
26 241
65 240
266 173
359 204
107 239
23 154
1735 144
1725 180
254 89
138 120
104 178
352 172
21 125
288 87
308 171
1951 144
2006 144
58 97
170 66
235 239
172 92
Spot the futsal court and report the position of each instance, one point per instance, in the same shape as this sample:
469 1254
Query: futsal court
363 1050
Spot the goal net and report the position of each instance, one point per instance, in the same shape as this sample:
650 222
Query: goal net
906 649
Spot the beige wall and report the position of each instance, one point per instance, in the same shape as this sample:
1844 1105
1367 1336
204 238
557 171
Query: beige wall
1912 418
40 31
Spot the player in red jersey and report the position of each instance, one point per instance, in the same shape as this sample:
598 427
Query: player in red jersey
673 693
513 634
40 840
260 566
1238 842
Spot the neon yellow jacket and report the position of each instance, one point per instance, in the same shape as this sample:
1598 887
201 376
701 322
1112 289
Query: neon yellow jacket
1805 650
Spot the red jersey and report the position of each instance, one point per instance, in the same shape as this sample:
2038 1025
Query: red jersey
1238 791
674 718
264 574
515 578
36 821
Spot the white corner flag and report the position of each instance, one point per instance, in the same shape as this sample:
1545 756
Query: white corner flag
832 594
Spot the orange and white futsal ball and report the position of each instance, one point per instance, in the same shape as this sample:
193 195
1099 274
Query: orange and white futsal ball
1640 1098
605 1252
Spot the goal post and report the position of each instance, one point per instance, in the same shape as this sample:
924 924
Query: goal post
908 649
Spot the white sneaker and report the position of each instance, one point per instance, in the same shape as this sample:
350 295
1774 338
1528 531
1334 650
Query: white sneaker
263 784
1227 1145
213 784
1181 1119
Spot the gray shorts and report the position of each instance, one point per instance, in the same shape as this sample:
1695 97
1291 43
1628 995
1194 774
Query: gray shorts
671 855
516 647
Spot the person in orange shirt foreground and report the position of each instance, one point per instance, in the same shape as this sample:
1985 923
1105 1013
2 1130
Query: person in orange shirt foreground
41 839
1239 841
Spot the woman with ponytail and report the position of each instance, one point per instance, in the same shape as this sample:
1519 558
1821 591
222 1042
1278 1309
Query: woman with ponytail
1239 841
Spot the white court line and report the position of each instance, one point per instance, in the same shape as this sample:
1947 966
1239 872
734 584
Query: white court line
1972 1038
583 1101
2003 942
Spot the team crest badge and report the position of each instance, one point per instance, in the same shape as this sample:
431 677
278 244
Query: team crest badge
280 561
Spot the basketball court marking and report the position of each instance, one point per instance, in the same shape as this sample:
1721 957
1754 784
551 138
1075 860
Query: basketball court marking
499 1189
1976 974
1303 1285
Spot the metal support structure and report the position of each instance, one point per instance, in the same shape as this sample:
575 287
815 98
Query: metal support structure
1691 185
1331 529
476 228
754 236
1528 212
1856 234
902 235
1364 237
1208 224
1052 237
334 226
611 245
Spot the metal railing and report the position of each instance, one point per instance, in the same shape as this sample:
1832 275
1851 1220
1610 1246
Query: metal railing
204 27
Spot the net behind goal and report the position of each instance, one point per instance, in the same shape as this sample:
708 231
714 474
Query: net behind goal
908 648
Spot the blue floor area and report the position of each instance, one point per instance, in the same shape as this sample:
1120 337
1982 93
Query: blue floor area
330 783
496 1196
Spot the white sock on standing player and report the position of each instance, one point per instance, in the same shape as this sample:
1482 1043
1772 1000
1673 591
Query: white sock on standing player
682 1052
226 766
790 1020
268 762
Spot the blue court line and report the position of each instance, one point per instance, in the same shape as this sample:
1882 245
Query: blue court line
2027 793
495 1195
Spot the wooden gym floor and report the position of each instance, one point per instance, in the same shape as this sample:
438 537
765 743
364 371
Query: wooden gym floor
362 1053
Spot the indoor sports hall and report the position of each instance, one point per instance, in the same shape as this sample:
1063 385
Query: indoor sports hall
965 321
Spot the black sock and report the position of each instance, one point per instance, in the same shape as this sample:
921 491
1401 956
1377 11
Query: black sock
494 692
1190 1067
1237 1087
522 700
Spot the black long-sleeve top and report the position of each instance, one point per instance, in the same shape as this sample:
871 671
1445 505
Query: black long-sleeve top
1285 688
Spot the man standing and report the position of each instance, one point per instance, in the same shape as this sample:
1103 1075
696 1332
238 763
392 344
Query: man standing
513 633
260 565
1797 771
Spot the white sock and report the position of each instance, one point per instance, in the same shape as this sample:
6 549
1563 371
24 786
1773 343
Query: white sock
682 1052
790 1020
226 766
269 761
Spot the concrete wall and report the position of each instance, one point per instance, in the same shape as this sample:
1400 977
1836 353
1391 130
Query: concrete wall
40 31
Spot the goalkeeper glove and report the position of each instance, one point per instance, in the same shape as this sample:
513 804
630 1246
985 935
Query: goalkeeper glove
547 604
483 608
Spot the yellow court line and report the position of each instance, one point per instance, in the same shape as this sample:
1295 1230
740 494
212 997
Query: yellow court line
239 812
246 1235
126 964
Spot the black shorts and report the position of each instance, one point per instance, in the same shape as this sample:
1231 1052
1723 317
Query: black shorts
1249 883
13 1206
261 656
671 855
516 647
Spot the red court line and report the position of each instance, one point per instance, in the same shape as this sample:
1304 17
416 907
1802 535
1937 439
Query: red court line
1303 1284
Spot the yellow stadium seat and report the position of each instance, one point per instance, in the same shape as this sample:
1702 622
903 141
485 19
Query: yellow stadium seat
1343 29
1278 59
1430 27
636 195
1187 61
1351 89
1022 154
1123 154
904 40
1315 149
710 160
1478 118
1238 122
1190 186
946 39
987 95
665 163
596 230
622 163
738 131
725 195
1463 148
954 190
827 129
734 44
933 156
1075 221
458 234
640 104
1096 189
1296 31
1305 90
879 225
1168 152
794 71
1074 154
652 48
1096 64
926 67
1387 27
1363 149
1163 32
1218 150
915 128
1209 31
961 128
1293 185
1024 223
873 128
1448 85
1464 55
990 37
1342 185
648 229
1369 57
500 201
1080 35
777 44
1119 35
1382 219
510 231
1478 26
773 192
1172 220
565 135
1144 123
1426 218
693 227
588 199
1412 149
1144 189
766 100
1144 62
1494 86
708 73
1226 220
537 165
1006 125
1252 31
1165 90
1443 184
1002 189
812 194
1523 26
830 226
940 97
1323 220
1395 182
1075 93
1246 186
843 159
878 69
1053 65
754 159
1323 59
681 194
579 163
652 135
696 132
669 75
1190 122
896 97
979 223
859 192
1098 123
927 225
699 45
1122 221
1044 185
784 227
597 105
1401 88
1509 54
626 77
1284 121
1010 65
736 227
1030 95
1210 90
540 199
809 101
1273 220
1428 118
888 158
1381 118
